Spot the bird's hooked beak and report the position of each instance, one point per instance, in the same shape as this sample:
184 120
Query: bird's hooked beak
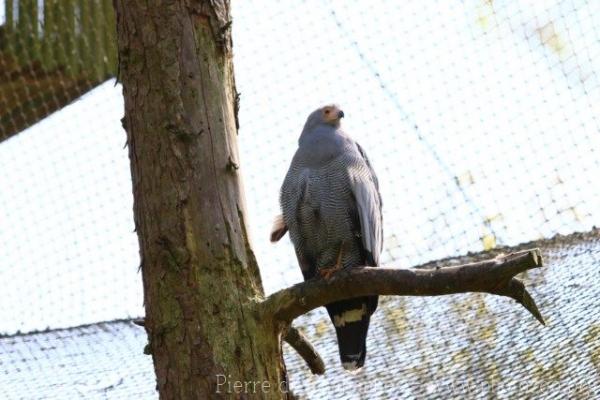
340 114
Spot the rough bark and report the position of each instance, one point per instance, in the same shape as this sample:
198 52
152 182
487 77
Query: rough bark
297 340
199 272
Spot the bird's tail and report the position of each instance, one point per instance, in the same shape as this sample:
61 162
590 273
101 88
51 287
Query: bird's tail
351 320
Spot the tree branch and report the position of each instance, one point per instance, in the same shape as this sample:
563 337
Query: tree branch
300 343
495 276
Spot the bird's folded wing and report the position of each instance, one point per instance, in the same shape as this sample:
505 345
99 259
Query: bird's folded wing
368 201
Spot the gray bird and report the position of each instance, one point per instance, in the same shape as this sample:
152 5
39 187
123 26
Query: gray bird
332 208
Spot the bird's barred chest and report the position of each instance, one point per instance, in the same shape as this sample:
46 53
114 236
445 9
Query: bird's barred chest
320 211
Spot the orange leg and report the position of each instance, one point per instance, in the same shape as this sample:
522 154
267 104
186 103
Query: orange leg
328 272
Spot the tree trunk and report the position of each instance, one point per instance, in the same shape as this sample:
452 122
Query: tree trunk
199 273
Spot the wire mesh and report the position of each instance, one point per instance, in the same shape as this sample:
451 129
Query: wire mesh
468 346
480 117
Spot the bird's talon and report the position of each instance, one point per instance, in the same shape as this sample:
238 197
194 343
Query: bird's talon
326 273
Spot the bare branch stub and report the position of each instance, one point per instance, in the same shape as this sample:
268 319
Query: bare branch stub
300 343
495 276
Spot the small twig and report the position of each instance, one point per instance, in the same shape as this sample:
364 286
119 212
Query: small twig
232 165
300 343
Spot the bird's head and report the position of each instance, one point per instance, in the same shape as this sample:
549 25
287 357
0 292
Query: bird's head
328 115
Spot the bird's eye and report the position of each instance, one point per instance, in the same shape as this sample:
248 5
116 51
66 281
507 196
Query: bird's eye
326 111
